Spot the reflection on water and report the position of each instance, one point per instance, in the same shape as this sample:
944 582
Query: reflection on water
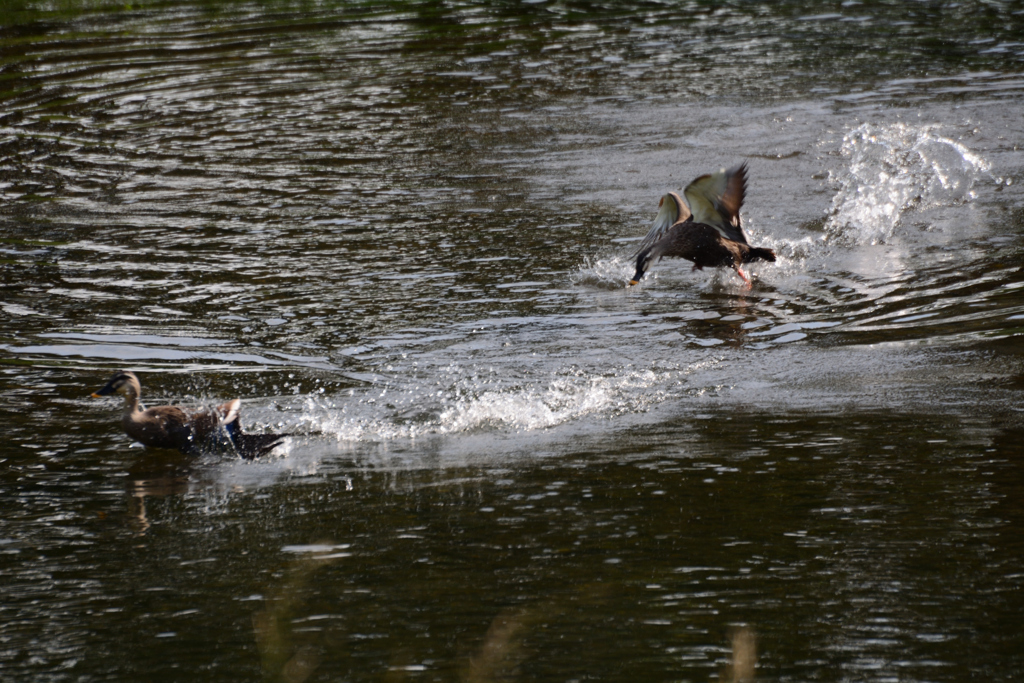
278 640
743 658
402 231
293 643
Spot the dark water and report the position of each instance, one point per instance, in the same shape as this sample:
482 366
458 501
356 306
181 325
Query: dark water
402 231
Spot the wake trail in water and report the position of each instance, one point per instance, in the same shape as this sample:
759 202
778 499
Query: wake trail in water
470 403
887 171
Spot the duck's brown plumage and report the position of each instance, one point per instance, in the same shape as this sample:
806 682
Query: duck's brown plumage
710 233
187 431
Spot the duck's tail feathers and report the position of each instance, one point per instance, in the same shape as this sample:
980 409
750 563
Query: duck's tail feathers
251 446
759 254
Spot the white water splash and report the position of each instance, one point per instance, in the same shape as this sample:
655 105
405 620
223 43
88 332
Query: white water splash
468 406
606 273
891 169
565 399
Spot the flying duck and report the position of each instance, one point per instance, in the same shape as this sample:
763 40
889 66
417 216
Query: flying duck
708 232
190 431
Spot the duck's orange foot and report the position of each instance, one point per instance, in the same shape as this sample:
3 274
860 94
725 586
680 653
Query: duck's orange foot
739 271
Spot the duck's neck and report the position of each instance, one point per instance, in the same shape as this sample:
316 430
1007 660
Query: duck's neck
131 404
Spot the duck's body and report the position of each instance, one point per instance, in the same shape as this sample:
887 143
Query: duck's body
706 248
186 431
709 233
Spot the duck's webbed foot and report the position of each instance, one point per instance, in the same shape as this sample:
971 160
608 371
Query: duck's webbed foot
739 271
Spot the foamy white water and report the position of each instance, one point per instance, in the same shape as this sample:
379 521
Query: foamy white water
471 404
890 169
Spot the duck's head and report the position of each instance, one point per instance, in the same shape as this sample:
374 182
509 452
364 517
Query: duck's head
123 382
643 262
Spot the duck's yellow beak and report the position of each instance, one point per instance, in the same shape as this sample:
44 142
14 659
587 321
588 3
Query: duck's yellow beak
633 282
94 395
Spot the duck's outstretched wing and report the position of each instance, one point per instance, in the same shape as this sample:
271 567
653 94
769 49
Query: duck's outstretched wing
671 210
206 423
716 199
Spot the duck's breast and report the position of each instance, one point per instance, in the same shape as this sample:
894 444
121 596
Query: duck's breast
703 245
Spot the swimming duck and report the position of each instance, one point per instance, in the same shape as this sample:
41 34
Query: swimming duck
708 232
188 431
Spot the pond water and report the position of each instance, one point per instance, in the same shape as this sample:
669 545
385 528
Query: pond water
401 231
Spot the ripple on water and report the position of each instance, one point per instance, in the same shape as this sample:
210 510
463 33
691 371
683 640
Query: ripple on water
401 231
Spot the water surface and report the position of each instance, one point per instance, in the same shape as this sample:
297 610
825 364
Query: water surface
402 231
